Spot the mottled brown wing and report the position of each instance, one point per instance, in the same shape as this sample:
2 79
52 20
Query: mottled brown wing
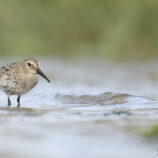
8 77
7 71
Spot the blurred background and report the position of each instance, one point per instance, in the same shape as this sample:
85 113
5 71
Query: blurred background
110 29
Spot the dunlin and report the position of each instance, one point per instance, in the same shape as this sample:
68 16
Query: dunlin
20 77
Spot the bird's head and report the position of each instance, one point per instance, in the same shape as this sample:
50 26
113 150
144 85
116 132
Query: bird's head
33 67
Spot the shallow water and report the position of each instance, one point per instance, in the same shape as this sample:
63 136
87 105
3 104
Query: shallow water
91 109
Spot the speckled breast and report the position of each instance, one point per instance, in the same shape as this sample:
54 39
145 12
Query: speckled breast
18 87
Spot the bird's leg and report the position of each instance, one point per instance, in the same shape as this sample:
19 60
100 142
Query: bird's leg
9 102
18 100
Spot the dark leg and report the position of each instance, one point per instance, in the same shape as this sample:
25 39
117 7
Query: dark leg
9 102
18 100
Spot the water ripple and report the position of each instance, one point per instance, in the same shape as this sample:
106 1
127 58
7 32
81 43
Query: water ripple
107 98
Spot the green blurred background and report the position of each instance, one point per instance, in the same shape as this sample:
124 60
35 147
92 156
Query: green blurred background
110 29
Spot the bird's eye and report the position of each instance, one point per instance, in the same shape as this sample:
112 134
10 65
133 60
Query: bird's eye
29 64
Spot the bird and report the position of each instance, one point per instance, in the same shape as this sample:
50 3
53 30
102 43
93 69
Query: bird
18 78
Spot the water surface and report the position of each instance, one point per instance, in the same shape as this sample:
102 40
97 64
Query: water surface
91 109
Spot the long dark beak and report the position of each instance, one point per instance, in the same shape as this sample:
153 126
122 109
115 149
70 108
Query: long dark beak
42 74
